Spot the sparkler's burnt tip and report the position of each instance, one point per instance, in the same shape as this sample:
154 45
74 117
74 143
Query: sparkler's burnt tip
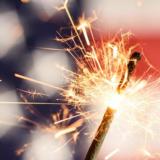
133 60
136 55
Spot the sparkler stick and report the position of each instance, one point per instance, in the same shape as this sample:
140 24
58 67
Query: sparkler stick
100 135
109 114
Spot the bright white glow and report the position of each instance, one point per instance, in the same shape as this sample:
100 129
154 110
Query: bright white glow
135 127
9 114
114 100
44 146
11 32
47 67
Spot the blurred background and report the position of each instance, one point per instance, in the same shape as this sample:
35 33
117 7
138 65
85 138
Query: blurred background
28 25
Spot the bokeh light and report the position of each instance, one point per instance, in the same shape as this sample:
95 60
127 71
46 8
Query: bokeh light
45 146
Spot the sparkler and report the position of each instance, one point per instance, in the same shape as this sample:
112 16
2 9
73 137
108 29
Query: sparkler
109 65
104 77
109 114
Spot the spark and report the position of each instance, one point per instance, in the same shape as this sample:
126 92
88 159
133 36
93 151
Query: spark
112 154
36 81
64 131
27 103
32 93
147 153
75 116
83 25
